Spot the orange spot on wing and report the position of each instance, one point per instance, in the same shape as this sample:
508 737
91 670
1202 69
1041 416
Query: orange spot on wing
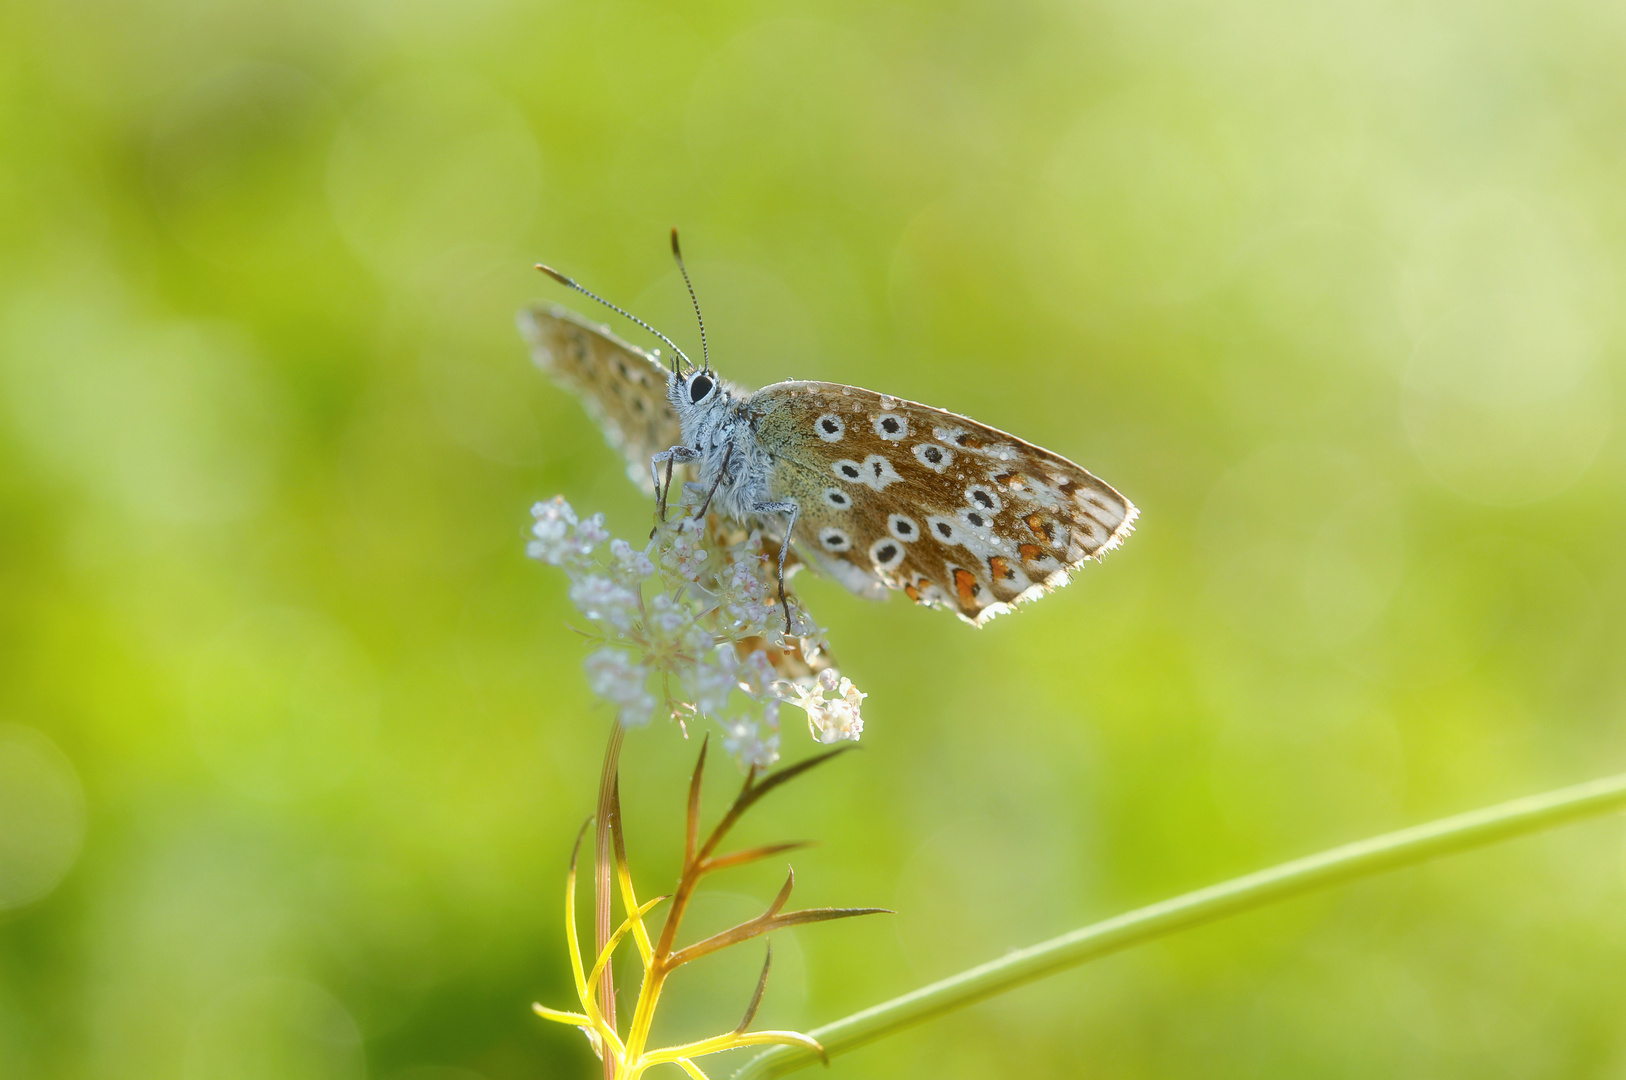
999 567
1040 528
965 585
912 593
1030 552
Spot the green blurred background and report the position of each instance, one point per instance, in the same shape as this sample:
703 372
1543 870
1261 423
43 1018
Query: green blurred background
293 740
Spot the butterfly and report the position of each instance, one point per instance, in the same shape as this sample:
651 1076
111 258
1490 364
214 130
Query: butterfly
876 492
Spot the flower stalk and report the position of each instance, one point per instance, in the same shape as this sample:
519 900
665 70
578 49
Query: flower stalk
688 622
1337 866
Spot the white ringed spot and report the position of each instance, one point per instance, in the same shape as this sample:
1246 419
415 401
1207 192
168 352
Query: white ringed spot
834 539
934 457
834 496
886 553
848 469
830 427
877 472
983 498
943 530
890 427
977 520
903 527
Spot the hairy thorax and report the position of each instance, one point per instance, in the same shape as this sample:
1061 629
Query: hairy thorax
732 458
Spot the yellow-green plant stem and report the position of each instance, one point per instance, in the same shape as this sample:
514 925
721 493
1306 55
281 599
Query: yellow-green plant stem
1339 865
603 876
649 996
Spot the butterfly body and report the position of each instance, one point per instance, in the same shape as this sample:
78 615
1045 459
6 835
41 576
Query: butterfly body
719 428
877 492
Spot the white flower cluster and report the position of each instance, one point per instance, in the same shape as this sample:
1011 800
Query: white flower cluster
700 622
831 701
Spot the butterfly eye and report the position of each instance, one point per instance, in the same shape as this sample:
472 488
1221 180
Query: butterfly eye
699 387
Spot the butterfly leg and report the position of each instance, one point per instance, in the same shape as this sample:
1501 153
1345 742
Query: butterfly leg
677 455
722 472
663 490
782 508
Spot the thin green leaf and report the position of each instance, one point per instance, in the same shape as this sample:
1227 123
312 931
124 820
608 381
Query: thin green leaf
825 914
751 855
691 833
756 998
752 792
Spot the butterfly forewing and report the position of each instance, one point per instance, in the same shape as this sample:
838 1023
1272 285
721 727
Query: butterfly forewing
622 386
894 494
889 494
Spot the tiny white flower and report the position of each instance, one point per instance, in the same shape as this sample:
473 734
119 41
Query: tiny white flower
554 513
632 562
613 676
712 678
684 554
553 530
592 533
832 704
602 600
668 619
745 741
697 641
757 675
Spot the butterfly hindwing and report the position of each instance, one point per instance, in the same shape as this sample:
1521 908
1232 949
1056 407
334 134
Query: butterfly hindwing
898 495
622 386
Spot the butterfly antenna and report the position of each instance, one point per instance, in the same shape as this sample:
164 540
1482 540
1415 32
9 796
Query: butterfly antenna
568 283
684 270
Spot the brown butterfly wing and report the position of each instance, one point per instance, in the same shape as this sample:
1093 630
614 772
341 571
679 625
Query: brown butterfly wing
955 513
622 386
